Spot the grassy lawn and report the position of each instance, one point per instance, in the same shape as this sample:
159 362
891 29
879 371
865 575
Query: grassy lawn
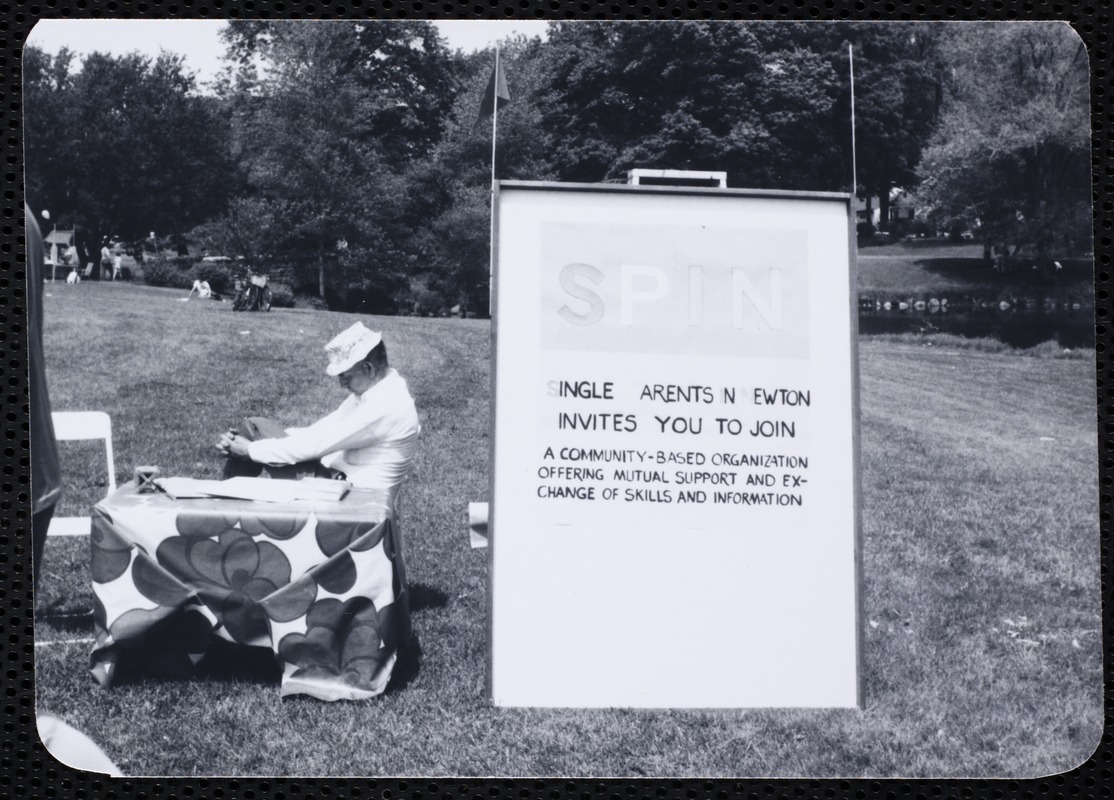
928 266
981 557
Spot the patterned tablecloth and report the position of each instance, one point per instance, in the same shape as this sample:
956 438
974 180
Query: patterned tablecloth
321 584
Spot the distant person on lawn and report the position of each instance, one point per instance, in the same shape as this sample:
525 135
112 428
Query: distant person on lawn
371 438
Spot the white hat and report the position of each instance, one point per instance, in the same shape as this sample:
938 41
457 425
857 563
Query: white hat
350 347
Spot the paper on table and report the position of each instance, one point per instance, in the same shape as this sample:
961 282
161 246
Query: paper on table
323 488
261 489
182 488
277 491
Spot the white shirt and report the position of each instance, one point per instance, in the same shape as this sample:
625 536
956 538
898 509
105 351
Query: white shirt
371 437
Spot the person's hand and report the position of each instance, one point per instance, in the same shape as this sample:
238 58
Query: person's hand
232 445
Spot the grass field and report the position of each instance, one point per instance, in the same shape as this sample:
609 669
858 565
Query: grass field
983 632
928 266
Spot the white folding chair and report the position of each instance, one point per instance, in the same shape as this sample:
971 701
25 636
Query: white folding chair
78 426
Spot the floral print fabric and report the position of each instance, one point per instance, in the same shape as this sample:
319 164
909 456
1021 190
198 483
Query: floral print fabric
322 585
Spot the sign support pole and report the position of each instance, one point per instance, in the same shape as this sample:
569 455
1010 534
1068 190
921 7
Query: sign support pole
491 231
854 175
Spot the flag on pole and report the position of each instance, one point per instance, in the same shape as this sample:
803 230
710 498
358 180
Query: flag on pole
496 92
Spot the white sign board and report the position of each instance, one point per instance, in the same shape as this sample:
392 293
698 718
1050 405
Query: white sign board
674 513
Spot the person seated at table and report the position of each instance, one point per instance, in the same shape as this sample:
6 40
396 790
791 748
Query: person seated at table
371 438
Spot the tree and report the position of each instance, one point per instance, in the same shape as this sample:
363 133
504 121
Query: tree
245 230
898 74
46 80
769 103
1012 148
656 94
122 147
757 100
325 134
451 197
897 100
797 104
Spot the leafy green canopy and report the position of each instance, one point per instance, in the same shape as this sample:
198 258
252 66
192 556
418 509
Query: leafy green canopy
123 147
343 154
327 117
690 96
451 191
767 102
1011 152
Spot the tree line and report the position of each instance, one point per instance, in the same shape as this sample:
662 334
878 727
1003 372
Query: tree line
344 157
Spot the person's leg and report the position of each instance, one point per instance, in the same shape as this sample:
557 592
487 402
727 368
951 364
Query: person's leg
256 428
40 524
244 467
241 468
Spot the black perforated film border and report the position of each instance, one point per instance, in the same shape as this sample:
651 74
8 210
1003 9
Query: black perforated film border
26 770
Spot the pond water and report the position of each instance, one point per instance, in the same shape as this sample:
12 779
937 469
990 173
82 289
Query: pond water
1016 326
